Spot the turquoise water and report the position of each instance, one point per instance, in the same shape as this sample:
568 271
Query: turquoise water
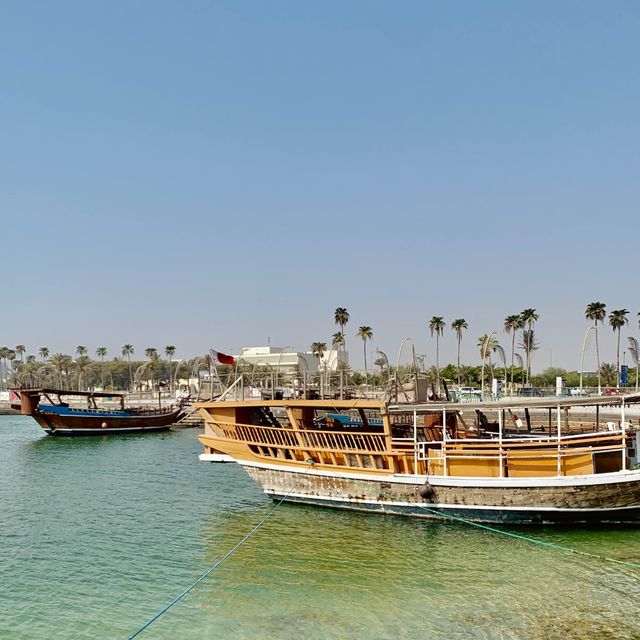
98 534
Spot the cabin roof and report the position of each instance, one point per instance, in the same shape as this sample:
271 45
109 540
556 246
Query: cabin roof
316 404
520 403
67 392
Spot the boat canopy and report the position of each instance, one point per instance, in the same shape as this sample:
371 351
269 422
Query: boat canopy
529 403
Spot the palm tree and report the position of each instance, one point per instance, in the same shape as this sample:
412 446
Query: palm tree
170 351
127 352
529 344
366 333
337 341
459 326
529 316
617 320
437 325
608 372
83 364
318 350
596 311
21 350
28 374
102 352
341 317
11 355
43 352
465 374
511 325
4 354
634 350
81 350
61 362
527 319
152 354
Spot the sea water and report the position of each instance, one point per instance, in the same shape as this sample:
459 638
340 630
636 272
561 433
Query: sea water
98 534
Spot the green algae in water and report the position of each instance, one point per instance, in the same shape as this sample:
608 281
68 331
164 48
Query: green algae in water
98 534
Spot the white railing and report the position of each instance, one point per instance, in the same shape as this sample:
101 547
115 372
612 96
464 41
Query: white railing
520 449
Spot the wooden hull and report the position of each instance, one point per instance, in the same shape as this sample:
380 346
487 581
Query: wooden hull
84 425
425 462
607 498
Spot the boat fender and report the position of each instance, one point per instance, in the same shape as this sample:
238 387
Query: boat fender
426 491
104 425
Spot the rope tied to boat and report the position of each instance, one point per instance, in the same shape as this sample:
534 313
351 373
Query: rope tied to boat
229 553
544 543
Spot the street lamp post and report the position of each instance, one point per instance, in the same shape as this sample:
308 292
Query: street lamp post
484 357
278 365
400 352
584 346
382 353
398 362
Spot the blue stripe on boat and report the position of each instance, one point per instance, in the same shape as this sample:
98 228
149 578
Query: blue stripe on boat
93 413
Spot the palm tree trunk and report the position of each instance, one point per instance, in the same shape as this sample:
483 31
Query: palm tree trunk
526 355
513 349
130 372
618 362
458 360
598 359
438 361
364 348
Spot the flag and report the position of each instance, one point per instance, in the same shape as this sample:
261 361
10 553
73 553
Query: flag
222 358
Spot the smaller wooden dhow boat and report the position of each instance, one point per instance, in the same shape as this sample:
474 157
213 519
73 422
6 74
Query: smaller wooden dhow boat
57 417
533 461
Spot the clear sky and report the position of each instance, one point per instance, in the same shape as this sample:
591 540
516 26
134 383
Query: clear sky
203 173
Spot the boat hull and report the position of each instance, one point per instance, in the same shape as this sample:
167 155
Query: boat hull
611 499
104 432
86 425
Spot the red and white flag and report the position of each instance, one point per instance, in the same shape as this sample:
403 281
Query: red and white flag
222 358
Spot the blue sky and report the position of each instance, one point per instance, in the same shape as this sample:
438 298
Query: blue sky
217 173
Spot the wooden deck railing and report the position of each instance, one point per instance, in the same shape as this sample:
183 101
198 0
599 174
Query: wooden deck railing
336 441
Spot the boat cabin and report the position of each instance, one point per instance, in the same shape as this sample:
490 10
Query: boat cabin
531 438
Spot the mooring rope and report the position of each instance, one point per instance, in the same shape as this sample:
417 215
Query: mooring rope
224 557
544 543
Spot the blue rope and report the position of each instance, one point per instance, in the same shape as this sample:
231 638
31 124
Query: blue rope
543 543
219 562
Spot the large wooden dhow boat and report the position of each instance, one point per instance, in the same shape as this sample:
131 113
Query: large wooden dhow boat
551 460
56 416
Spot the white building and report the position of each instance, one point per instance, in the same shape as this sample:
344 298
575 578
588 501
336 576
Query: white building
290 361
